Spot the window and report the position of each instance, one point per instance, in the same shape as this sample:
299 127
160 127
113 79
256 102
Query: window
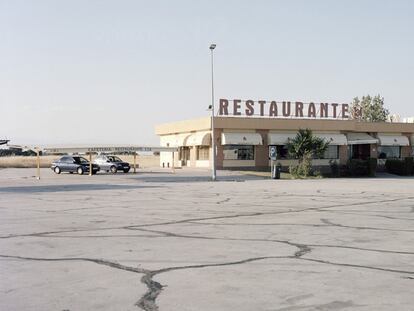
184 154
80 160
67 160
282 152
331 153
238 152
360 151
203 153
114 159
389 152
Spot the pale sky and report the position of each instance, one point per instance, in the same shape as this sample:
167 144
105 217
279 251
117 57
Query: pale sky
107 71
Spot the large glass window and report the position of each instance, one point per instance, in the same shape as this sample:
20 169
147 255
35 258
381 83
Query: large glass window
238 152
389 152
203 153
331 153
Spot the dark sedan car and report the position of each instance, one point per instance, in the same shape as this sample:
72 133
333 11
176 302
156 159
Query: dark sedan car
73 164
111 163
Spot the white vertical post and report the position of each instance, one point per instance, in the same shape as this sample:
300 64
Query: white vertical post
90 164
173 166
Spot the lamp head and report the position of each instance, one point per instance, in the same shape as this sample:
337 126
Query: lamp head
212 47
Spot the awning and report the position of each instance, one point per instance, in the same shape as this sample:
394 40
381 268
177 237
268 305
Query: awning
241 139
386 140
176 140
279 138
333 139
360 139
198 139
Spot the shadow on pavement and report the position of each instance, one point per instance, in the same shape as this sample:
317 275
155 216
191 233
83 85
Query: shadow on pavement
189 179
64 188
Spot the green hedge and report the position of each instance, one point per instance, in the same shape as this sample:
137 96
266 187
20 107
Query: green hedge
357 168
400 167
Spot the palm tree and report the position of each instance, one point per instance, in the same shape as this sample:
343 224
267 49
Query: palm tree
306 145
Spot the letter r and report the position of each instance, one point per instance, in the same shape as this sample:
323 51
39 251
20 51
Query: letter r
224 107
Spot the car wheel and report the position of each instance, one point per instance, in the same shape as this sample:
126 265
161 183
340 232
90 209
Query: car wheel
126 170
57 170
113 169
80 171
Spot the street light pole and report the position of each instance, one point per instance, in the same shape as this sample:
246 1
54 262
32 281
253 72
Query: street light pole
213 139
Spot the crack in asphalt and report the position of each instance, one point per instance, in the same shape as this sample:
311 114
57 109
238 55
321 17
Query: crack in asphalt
356 266
148 301
330 223
103 262
189 220
295 244
326 223
367 215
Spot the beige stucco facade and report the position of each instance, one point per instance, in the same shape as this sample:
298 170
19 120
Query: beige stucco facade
195 146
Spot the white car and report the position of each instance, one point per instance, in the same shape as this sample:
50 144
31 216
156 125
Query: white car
111 163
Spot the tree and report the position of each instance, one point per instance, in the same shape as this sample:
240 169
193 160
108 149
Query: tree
304 147
369 109
306 143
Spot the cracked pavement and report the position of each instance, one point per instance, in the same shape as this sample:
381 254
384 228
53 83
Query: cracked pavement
157 241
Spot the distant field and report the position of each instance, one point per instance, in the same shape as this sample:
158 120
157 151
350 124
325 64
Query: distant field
45 161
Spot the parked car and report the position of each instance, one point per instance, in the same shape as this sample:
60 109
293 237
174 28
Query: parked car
73 164
111 163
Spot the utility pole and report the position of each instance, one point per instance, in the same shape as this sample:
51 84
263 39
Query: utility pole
213 139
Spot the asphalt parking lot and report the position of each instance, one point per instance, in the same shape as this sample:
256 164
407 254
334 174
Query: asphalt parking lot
157 241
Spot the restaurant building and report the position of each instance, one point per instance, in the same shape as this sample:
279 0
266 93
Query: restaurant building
244 131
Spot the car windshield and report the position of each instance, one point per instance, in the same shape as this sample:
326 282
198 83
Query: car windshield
80 160
114 159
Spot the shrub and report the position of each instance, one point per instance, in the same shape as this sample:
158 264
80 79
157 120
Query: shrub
335 170
372 166
357 167
400 167
303 169
409 162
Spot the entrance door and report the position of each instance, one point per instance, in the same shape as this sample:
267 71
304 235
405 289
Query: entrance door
185 156
362 152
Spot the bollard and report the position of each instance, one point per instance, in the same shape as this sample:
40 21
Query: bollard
276 169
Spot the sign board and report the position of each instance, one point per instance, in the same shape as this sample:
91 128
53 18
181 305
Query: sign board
282 109
109 149
273 153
